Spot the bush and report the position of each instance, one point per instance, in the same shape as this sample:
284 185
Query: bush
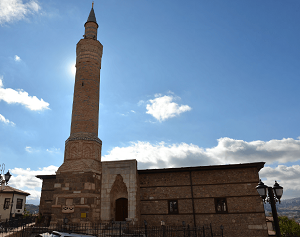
288 227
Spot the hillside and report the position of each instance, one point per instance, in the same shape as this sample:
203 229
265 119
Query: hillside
287 207
33 209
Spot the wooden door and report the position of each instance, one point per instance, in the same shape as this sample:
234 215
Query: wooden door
121 209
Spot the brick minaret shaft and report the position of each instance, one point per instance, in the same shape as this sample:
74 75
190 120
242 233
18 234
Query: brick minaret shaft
87 81
83 143
85 111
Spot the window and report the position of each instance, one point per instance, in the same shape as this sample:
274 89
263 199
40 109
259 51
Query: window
173 206
19 203
6 203
221 205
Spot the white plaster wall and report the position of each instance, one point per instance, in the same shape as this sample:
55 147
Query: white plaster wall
5 213
128 170
18 211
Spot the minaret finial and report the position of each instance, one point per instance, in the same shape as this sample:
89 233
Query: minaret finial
92 17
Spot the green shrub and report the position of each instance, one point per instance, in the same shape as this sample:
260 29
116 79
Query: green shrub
288 227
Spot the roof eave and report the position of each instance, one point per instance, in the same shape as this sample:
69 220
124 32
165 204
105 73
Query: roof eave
258 165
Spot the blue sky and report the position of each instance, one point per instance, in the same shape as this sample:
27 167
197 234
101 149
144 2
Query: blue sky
183 83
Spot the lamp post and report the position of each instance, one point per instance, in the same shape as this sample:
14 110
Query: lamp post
183 224
4 178
145 222
163 224
222 228
271 195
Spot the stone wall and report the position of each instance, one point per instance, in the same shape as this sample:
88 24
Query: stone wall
46 200
196 190
119 181
76 196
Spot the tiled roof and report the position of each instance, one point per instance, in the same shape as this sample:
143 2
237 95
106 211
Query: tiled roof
8 189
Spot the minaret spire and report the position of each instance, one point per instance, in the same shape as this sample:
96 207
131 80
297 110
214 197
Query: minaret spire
92 17
83 145
91 25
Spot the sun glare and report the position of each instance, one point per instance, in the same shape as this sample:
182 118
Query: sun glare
73 69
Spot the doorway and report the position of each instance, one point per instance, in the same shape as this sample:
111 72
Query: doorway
121 209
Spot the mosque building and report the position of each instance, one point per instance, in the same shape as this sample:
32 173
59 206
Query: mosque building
87 190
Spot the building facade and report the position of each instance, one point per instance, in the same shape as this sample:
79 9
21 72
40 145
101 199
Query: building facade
13 202
86 190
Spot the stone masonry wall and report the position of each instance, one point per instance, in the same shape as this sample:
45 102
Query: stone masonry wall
46 199
245 215
77 197
112 171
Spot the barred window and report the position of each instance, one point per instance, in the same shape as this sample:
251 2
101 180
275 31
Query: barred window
173 206
6 203
19 203
221 205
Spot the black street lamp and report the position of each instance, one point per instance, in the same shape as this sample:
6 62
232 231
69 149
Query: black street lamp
4 178
271 195
7 176
145 222
163 224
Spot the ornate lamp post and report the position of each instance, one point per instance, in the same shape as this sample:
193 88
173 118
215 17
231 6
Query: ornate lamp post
271 195
4 178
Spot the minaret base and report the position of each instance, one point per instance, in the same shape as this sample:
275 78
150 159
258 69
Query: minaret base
77 197
82 153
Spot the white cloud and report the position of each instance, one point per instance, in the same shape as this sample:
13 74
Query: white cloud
15 10
6 121
17 58
21 97
228 151
24 179
141 102
28 149
163 107
237 151
287 177
53 150
161 155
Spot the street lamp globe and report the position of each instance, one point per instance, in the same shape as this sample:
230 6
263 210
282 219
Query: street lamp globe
278 190
262 189
7 177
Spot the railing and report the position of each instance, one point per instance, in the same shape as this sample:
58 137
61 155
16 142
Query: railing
15 223
117 229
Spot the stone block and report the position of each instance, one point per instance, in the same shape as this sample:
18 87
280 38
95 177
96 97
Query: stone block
57 185
69 201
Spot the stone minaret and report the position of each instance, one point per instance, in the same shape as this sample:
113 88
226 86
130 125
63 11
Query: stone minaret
77 187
